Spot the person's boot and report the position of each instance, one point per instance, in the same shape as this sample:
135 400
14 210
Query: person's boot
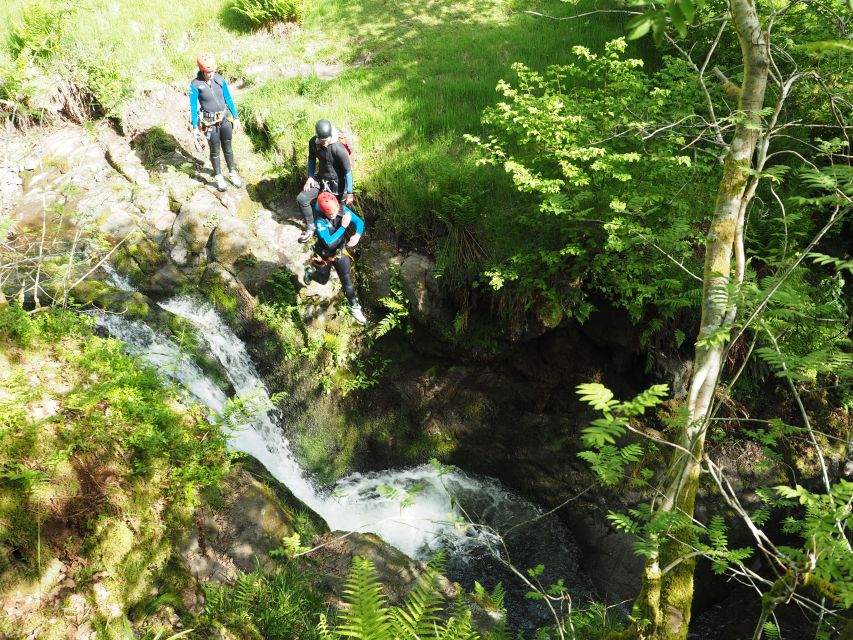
309 273
357 313
235 179
220 182
307 234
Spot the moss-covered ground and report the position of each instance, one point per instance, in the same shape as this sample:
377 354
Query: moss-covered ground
101 471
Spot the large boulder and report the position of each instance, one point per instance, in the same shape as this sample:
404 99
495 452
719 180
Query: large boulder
121 157
179 186
232 241
196 220
398 573
239 534
151 198
156 224
166 281
427 301
380 259
230 296
117 222
251 259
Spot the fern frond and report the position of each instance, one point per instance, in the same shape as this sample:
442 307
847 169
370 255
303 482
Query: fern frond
417 618
365 614
457 628
323 629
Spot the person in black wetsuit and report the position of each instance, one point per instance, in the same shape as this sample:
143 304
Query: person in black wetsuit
329 169
209 99
331 248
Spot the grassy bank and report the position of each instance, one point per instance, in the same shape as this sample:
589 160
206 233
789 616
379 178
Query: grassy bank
100 468
416 78
408 79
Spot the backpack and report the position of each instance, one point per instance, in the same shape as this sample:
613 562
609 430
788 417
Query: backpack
343 139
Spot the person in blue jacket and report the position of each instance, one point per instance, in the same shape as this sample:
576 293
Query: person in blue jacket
330 248
209 99
329 169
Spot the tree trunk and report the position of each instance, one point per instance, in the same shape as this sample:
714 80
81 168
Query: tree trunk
665 599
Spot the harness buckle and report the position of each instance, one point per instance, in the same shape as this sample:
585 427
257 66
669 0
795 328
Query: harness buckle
212 119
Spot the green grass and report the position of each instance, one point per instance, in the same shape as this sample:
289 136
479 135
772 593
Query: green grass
107 479
416 77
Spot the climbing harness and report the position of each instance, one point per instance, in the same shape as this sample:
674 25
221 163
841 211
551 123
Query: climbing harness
208 119
319 261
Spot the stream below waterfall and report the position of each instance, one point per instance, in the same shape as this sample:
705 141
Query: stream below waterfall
356 502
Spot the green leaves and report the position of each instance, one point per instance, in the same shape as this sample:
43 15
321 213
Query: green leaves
608 460
678 13
590 141
367 616
836 263
597 395
825 526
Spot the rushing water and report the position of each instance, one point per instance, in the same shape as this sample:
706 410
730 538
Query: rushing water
356 503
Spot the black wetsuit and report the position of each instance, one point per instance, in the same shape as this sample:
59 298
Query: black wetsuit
331 164
207 100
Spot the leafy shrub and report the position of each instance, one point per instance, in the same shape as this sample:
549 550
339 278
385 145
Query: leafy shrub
15 323
263 12
366 613
153 144
107 82
40 31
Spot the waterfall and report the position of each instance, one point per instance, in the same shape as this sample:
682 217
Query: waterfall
356 503
115 279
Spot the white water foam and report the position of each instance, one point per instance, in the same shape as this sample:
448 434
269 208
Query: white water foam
357 503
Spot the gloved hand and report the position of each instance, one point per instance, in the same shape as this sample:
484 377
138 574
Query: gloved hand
349 199
354 240
310 183
346 219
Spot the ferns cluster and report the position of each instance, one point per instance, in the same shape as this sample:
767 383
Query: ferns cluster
264 12
90 82
367 615
282 606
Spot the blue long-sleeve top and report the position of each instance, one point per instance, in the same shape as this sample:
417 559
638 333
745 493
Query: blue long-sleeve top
332 231
211 97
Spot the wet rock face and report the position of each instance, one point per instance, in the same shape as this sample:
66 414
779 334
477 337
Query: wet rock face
426 299
153 202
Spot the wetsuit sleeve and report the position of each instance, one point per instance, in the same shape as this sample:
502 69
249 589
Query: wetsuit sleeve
228 101
359 223
329 238
348 180
312 158
194 105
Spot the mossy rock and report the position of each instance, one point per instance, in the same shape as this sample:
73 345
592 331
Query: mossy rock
238 529
285 496
147 255
131 304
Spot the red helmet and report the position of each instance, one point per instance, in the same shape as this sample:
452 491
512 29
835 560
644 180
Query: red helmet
328 203
206 62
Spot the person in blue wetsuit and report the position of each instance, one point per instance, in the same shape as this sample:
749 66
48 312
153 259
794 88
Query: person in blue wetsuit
329 169
209 99
330 248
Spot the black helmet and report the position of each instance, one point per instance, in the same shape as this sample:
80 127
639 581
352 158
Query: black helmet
323 129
